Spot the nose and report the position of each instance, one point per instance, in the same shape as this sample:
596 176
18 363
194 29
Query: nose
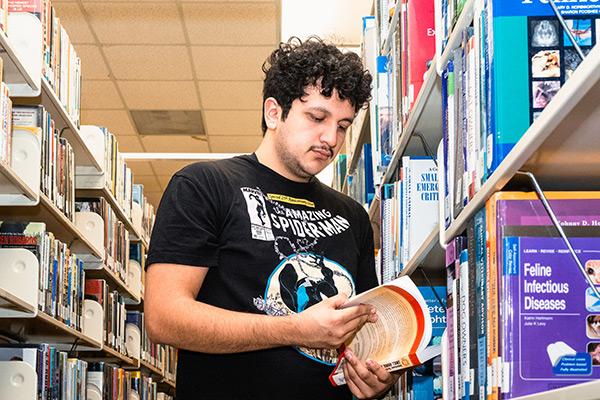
329 136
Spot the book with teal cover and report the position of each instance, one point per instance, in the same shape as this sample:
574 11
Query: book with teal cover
531 58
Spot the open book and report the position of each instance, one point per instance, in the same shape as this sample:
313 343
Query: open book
400 337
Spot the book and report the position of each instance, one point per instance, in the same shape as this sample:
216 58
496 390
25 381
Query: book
400 338
547 342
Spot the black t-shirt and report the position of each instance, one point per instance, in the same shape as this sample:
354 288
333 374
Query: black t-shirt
273 246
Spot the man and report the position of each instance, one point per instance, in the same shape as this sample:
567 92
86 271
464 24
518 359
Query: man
252 258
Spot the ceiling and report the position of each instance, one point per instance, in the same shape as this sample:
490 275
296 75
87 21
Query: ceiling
175 55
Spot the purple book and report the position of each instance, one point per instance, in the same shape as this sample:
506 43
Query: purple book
552 336
581 210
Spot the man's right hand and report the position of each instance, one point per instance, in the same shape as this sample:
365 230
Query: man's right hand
327 326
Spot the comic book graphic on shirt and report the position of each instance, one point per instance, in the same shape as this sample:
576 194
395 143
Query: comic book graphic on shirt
303 277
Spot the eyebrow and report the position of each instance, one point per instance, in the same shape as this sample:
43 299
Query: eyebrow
328 113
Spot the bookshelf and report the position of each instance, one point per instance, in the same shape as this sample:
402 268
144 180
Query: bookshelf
556 148
560 147
360 128
21 321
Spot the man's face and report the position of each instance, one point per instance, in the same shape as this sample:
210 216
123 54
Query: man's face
313 133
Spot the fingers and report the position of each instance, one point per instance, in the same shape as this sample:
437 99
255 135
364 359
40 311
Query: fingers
368 379
364 311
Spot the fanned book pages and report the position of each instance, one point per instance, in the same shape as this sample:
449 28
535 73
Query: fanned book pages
401 335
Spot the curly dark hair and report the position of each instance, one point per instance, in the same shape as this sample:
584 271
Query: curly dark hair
295 65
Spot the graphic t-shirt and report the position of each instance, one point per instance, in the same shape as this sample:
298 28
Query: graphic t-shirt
273 246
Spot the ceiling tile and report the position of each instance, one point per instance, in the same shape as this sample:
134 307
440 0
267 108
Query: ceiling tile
154 198
135 23
140 62
140 168
150 183
130 144
238 95
99 95
233 122
229 63
233 23
234 144
163 180
159 95
74 23
117 121
225 1
92 63
174 143
169 167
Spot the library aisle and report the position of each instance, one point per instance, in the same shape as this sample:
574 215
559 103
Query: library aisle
476 160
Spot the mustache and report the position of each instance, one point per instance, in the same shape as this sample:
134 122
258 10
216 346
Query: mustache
328 149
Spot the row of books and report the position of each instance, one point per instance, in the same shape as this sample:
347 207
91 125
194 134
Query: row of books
511 63
6 118
522 317
148 214
116 235
61 274
62 377
409 213
447 13
61 66
113 305
57 157
360 181
109 382
160 356
398 74
59 377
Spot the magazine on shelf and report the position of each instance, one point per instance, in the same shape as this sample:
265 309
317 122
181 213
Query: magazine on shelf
401 335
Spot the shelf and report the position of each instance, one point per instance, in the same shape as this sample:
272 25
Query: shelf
430 255
15 73
11 184
134 234
112 279
111 355
582 391
83 155
151 368
465 19
8 301
45 329
56 222
385 48
559 147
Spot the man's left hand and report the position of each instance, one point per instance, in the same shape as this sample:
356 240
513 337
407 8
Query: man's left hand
367 379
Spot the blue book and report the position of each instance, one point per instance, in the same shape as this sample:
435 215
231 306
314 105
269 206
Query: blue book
532 57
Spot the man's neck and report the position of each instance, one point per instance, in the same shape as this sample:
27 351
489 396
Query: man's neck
267 156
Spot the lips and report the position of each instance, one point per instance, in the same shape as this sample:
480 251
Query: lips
323 153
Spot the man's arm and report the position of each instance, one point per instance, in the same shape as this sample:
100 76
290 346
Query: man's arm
174 317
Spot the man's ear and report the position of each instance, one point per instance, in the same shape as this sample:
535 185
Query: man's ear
272 113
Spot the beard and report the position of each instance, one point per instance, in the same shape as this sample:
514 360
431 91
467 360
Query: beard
291 162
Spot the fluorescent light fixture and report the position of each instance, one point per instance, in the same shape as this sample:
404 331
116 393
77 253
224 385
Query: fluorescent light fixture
178 156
